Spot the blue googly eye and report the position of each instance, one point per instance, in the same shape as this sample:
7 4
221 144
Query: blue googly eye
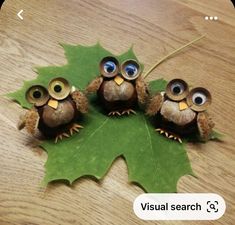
131 70
109 67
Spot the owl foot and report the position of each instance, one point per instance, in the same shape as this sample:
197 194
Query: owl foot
114 113
75 127
169 135
128 111
60 136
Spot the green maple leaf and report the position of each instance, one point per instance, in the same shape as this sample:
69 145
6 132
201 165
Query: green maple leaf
154 162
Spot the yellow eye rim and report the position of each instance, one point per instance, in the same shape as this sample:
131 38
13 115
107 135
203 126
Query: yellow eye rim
105 60
196 107
173 96
59 88
37 95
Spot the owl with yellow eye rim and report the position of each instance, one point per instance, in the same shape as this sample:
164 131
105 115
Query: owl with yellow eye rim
179 111
55 109
120 88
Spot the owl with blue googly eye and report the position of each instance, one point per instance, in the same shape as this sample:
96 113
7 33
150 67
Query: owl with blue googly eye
120 87
179 111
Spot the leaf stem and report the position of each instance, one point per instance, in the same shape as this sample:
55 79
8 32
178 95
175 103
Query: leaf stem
170 54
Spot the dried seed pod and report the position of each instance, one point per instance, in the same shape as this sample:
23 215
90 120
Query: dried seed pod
55 110
180 112
117 87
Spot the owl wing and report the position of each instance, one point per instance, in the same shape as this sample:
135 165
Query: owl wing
155 104
142 91
94 85
80 100
30 121
205 125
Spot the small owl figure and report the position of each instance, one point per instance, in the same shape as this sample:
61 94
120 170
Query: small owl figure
119 88
55 109
179 111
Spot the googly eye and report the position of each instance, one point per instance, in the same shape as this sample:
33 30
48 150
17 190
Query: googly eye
37 95
130 69
109 66
177 89
59 88
199 99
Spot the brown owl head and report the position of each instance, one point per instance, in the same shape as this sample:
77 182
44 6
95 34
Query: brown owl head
197 99
180 111
129 70
58 89
55 110
182 105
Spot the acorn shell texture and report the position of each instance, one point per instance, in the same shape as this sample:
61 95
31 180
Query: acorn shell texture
114 97
48 123
113 92
170 111
60 116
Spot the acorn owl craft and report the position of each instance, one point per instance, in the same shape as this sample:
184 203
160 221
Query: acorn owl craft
119 87
179 112
55 109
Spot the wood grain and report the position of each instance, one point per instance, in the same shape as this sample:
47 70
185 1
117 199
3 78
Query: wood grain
155 27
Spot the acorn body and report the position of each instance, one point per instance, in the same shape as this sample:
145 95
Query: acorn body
55 121
180 111
55 110
115 97
173 128
119 88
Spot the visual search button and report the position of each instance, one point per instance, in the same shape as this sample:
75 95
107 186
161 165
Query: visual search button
197 206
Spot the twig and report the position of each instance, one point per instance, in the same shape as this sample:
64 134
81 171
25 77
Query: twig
170 54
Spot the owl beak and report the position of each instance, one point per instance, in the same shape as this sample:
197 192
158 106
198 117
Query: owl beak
53 103
119 80
183 105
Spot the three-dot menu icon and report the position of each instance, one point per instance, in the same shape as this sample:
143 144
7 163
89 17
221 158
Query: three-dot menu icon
211 17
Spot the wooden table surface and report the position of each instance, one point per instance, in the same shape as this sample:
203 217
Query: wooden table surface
155 27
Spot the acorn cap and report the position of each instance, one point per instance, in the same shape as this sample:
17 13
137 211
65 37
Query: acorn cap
106 59
123 66
37 95
59 88
177 97
201 93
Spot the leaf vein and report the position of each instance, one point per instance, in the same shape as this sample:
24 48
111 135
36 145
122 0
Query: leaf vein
150 140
